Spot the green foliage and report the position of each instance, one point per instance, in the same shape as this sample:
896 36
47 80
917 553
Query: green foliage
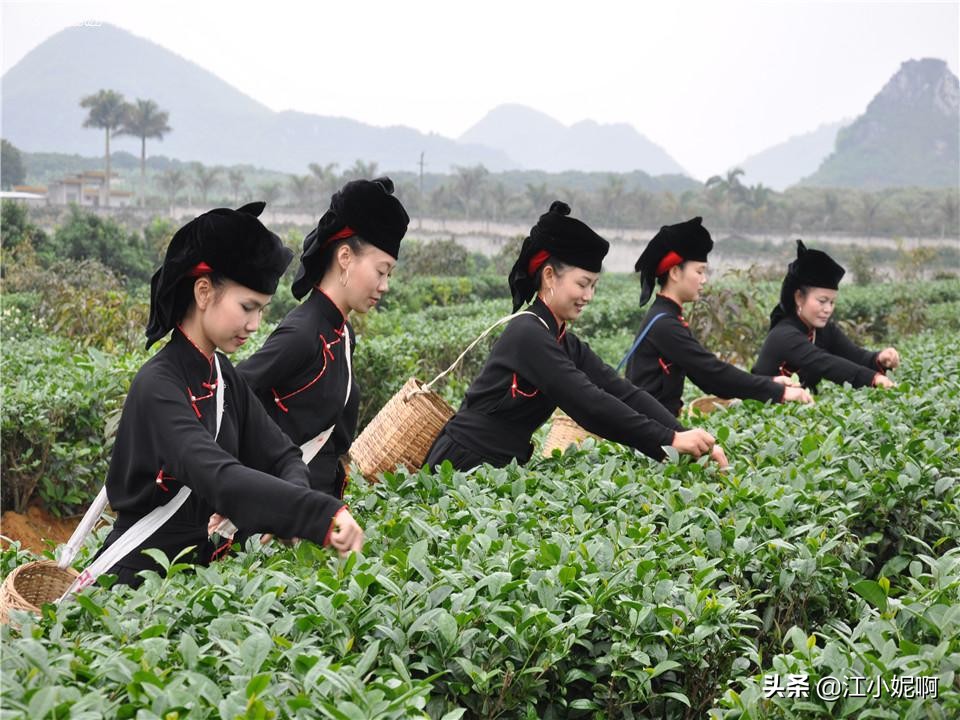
16 229
439 257
590 584
56 402
86 236
12 171
82 301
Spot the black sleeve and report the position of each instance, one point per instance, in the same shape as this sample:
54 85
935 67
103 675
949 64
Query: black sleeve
264 446
843 346
677 345
252 499
606 378
542 360
282 357
799 352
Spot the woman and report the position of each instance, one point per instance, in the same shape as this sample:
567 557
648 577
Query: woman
537 364
804 340
676 258
302 374
192 431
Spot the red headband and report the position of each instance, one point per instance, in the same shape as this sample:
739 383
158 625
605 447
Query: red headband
347 232
669 260
537 261
201 268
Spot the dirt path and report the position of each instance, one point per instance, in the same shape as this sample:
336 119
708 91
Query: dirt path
34 527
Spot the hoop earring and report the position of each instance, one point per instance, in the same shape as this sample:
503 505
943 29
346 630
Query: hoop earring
345 277
551 293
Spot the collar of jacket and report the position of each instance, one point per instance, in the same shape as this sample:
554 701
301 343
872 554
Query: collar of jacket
543 311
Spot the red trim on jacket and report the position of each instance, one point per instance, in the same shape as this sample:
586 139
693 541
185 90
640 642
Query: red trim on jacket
327 357
515 389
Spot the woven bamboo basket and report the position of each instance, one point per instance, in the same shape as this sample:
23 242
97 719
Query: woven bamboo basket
31 585
402 432
708 403
564 432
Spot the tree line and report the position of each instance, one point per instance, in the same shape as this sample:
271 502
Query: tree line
608 200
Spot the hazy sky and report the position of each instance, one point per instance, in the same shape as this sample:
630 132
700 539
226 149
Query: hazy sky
711 82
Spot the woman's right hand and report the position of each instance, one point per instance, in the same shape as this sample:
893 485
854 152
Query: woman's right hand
796 394
882 381
694 442
347 535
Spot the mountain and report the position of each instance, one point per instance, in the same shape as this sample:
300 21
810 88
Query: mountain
786 163
538 142
212 121
909 134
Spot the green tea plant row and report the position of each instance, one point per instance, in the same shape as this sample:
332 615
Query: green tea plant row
61 389
593 584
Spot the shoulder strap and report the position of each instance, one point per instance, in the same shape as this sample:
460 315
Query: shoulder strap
482 335
640 337
137 533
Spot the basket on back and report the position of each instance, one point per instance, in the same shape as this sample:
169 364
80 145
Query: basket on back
31 585
708 403
564 432
402 432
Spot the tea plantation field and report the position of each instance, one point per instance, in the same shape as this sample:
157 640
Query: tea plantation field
594 584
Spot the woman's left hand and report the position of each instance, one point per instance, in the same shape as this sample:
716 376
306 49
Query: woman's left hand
889 358
785 380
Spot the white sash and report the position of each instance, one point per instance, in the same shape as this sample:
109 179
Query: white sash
310 448
137 533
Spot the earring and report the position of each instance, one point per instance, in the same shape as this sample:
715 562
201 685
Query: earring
551 293
345 277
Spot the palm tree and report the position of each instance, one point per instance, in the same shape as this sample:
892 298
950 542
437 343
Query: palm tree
611 196
145 120
757 200
869 205
205 179
326 176
237 182
467 184
729 188
500 199
949 208
360 170
537 195
171 182
302 187
107 111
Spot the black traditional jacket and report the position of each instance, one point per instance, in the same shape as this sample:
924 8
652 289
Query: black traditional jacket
251 473
301 376
791 347
669 354
535 366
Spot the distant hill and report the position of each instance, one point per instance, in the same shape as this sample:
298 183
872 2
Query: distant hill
538 142
212 121
909 134
786 163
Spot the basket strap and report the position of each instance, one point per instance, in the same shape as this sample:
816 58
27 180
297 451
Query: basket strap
136 533
636 343
501 321
311 447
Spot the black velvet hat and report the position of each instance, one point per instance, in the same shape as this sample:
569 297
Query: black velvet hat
559 236
671 246
231 243
365 208
812 268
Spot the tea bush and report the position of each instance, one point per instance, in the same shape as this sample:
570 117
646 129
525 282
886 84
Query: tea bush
592 584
